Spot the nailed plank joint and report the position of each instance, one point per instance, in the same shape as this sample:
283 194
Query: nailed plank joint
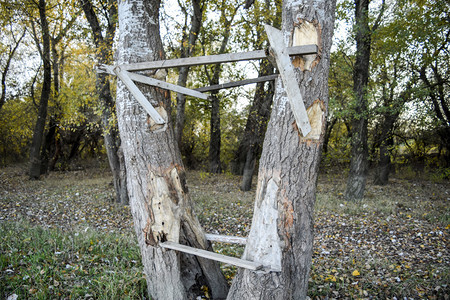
288 77
124 76
214 256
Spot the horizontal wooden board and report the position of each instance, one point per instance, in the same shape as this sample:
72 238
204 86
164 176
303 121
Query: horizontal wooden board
212 255
214 59
226 239
236 83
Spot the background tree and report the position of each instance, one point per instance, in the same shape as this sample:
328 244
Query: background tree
35 155
103 37
359 154
228 11
251 140
187 47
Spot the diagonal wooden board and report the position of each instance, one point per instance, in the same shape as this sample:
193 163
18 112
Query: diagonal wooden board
288 77
123 75
251 265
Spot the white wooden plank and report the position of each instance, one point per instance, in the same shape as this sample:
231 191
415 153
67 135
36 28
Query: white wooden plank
236 83
214 256
214 59
288 77
155 82
226 239
123 75
167 86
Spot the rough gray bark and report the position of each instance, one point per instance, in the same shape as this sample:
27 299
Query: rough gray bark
38 134
282 228
159 198
110 131
187 51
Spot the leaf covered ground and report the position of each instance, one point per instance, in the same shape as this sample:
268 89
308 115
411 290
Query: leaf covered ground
392 245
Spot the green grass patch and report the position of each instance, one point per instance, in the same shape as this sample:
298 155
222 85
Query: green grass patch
44 263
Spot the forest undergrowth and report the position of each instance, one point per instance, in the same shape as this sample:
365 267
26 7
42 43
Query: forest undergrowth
63 237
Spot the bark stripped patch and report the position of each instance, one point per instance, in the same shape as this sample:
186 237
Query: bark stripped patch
164 207
316 116
306 33
157 127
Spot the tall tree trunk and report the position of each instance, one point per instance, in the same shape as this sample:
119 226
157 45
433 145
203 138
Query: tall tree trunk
357 177
186 51
35 151
5 70
259 112
110 130
328 131
159 198
256 127
215 135
281 235
49 146
386 143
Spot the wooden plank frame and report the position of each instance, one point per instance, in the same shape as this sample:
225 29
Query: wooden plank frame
282 56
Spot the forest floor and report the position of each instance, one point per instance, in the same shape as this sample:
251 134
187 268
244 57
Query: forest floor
392 245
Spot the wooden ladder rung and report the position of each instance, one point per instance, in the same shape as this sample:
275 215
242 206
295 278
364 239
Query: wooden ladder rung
226 238
247 264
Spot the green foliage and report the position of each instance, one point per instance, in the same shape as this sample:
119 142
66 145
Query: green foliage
47 263
16 129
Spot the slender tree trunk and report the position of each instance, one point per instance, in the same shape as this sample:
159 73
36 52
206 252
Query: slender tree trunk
5 70
387 141
357 177
256 128
159 198
215 135
257 119
49 146
281 235
328 131
186 51
110 130
38 134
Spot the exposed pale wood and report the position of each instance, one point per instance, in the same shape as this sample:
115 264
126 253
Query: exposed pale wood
155 82
226 239
214 256
124 76
214 59
288 77
236 83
